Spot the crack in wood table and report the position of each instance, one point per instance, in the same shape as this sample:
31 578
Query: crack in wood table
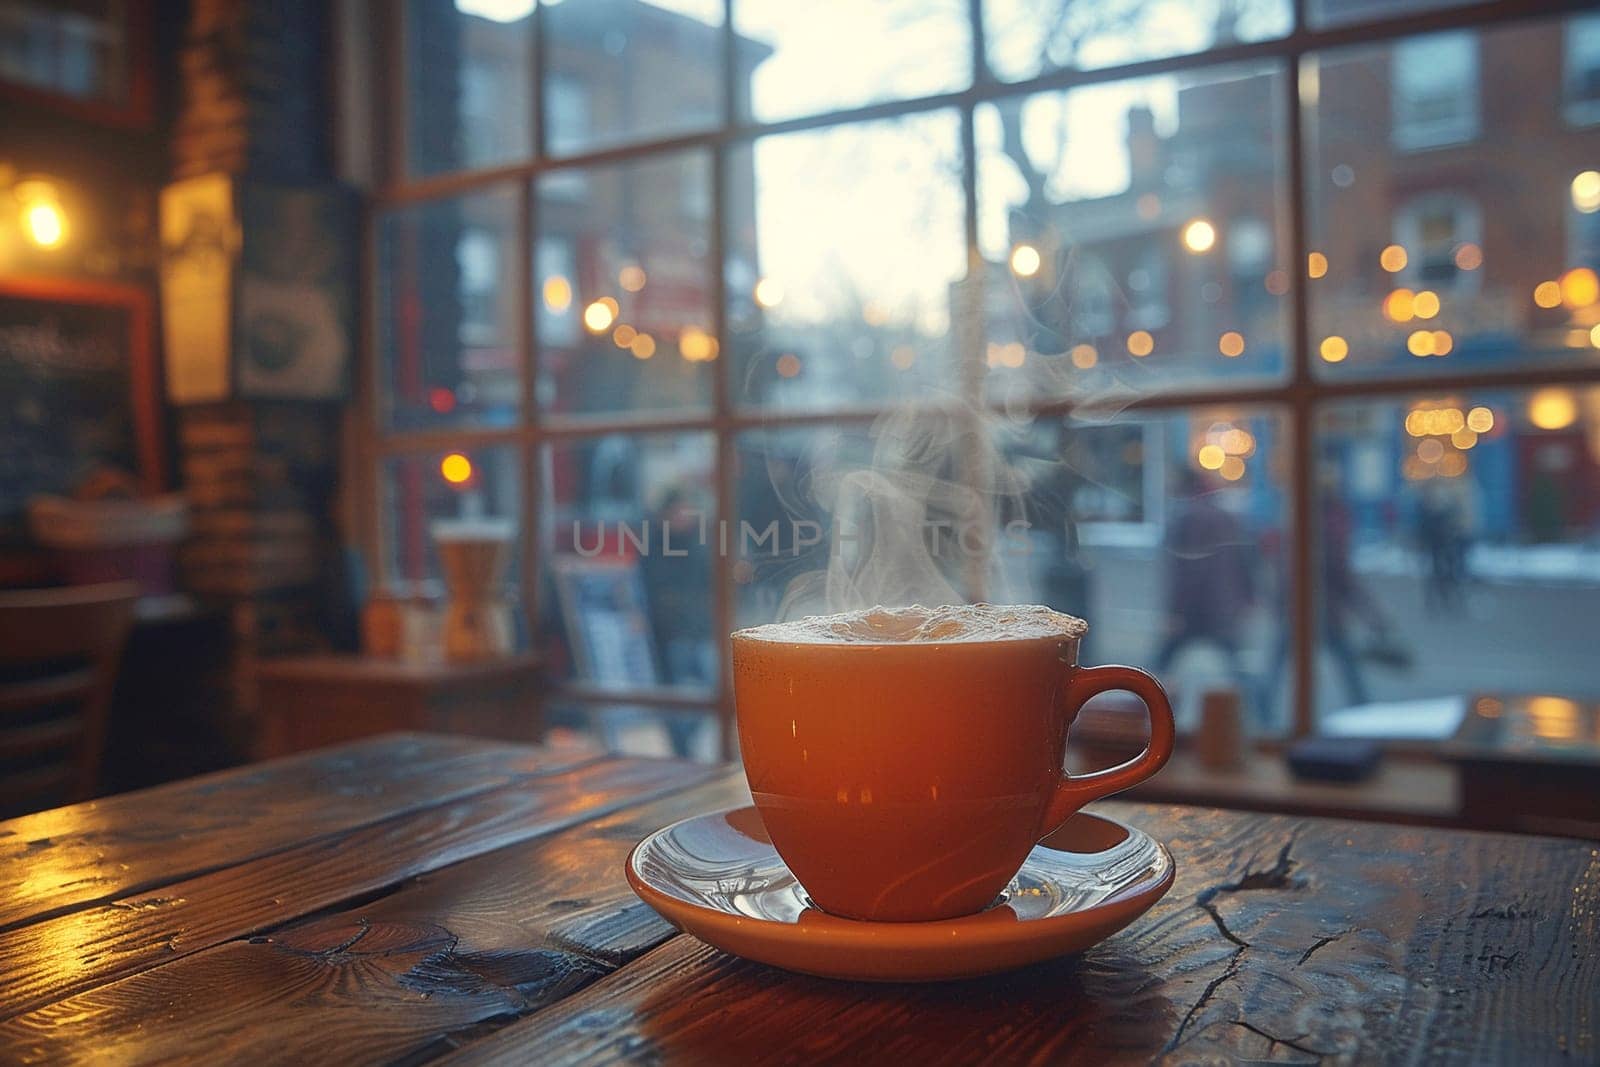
417 899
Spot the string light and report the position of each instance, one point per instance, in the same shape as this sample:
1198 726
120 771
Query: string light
599 315
456 469
1199 236
1140 343
1025 261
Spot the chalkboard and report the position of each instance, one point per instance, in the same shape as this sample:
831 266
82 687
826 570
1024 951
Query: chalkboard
77 391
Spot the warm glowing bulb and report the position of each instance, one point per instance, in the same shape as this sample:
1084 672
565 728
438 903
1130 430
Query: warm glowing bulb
1199 236
45 224
1025 261
1231 344
1547 294
1232 468
1586 192
1084 356
1211 457
1140 343
769 292
456 468
697 346
1425 304
623 335
1417 423
1580 288
1594 335
643 346
631 277
557 293
1316 264
599 315
1552 409
1334 349
1469 257
1441 342
1420 343
1399 305
788 365
1464 438
1393 259
1480 420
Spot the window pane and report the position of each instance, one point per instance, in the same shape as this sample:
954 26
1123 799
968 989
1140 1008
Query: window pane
1455 225
786 485
469 89
1029 37
629 525
638 729
1457 555
843 248
624 286
79 51
625 70
1340 12
481 487
1581 70
1170 535
1132 234
888 50
447 309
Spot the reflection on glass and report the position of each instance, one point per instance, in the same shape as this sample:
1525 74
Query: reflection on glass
623 283
629 528
1169 534
447 312
1458 554
457 484
1029 37
886 50
844 246
638 730
468 84
628 70
1131 234
1453 234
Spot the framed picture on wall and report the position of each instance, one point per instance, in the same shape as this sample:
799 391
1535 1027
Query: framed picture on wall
78 391
89 58
258 289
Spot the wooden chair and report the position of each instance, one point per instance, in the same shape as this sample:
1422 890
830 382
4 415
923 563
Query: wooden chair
59 650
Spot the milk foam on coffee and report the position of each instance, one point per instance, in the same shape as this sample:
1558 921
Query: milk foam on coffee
922 625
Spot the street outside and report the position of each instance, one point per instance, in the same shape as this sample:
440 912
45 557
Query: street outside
1529 632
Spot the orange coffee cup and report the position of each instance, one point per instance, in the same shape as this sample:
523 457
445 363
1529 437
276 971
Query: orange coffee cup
904 775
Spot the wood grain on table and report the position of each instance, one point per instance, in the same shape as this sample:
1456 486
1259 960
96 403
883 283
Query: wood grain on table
417 899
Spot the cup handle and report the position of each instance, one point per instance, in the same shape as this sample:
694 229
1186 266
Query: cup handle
1076 791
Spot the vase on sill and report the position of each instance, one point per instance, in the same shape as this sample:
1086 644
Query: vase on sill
477 621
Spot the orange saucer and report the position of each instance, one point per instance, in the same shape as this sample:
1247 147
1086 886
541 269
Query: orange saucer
718 877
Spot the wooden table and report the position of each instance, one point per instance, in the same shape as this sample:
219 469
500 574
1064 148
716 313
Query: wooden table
311 701
424 899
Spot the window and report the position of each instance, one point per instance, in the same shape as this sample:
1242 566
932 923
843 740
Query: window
1435 90
79 51
765 308
1583 70
1434 229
